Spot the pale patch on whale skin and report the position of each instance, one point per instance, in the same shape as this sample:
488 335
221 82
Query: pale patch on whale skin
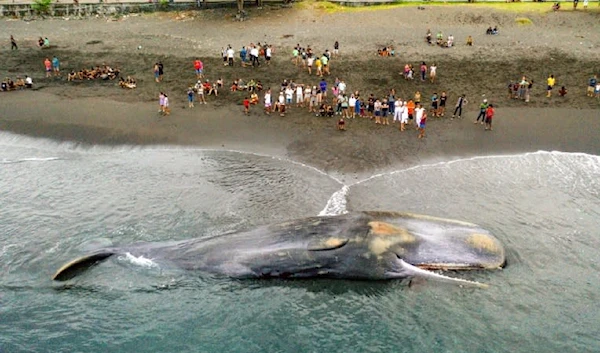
385 236
483 242
330 243
383 229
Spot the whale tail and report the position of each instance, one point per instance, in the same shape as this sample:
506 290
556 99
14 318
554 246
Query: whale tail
81 264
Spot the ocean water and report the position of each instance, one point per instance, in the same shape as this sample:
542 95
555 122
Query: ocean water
59 200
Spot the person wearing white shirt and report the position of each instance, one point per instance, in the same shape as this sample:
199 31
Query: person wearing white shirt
419 111
404 118
268 102
397 110
351 104
230 53
342 87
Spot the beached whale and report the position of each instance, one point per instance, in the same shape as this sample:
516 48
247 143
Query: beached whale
360 245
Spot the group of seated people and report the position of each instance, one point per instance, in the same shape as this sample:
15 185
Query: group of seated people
386 51
19 83
325 110
129 82
250 86
492 31
44 42
208 87
439 39
104 72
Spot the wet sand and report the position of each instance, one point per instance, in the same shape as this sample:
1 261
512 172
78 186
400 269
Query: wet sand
97 112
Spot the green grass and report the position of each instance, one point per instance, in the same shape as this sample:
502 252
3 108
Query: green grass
515 7
524 21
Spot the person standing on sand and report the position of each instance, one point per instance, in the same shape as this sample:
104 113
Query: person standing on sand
161 102
404 116
155 72
268 101
161 71
13 43
421 120
432 72
56 66
482 109
442 108
489 114
48 66
551 82
336 48
423 71
575 2
199 68
247 106
190 95
462 101
528 90
166 109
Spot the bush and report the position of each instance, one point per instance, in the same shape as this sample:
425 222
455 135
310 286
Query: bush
41 6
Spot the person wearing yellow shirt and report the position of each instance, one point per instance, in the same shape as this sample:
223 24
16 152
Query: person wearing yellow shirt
551 83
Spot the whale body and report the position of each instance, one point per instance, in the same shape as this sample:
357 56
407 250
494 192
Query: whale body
369 245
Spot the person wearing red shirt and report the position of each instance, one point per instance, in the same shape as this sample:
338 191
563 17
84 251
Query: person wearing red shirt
199 67
489 114
246 106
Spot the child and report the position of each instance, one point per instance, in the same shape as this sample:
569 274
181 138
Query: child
190 94
246 106
489 114
341 124
562 91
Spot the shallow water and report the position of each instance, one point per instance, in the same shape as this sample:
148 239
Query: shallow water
60 199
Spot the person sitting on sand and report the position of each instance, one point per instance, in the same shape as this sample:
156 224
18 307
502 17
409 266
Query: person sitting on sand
495 30
489 30
234 86
450 42
11 84
220 83
259 86
20 83
206 86
71 76
322 110
254 98
40 42
28 82
428 36
556 6
341 124
470 41
329 111
562 91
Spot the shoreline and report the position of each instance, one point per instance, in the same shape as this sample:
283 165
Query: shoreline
94 112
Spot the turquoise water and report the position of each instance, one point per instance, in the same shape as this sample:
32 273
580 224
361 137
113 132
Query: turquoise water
59 200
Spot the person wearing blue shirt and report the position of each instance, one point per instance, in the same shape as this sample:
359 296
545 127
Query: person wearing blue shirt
56 66
323 87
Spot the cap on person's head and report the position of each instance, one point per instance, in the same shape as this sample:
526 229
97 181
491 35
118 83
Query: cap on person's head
485 101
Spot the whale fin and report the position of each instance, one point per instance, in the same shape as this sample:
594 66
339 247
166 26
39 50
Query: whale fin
413 271
81 264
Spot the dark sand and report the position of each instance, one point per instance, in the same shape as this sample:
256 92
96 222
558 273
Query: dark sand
98 112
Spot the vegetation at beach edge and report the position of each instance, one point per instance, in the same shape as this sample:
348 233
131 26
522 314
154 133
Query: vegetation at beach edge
518 7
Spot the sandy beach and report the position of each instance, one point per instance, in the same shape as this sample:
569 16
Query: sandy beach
564 44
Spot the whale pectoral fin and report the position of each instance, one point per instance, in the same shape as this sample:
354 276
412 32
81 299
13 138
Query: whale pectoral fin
408 270
331 243
79 265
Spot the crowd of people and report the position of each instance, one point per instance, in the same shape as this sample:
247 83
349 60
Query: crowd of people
102 72
440 41
20 83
